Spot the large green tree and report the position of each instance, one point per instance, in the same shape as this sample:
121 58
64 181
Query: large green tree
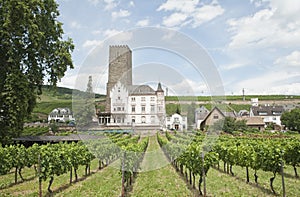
291 119
32 49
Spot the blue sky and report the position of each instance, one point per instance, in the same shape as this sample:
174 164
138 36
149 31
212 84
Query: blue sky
254 44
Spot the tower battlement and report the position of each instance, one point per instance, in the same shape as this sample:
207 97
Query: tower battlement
120 68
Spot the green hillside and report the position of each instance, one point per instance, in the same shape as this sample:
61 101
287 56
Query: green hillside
232 97
52 98
62 97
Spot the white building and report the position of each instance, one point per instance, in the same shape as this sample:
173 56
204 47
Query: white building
136 106
270 114
176 122
61 115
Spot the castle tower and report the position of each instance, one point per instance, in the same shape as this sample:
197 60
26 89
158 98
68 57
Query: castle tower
160 104
120 69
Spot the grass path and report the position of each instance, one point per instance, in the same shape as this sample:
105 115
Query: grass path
159 178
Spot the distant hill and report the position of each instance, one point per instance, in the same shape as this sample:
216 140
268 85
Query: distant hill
62 97
52 98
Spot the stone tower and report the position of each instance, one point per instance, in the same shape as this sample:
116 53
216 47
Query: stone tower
120 69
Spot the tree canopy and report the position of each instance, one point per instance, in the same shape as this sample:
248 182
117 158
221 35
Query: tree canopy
32 49
291 119
229 125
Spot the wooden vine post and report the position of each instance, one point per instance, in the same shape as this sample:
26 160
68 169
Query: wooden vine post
282 180
39 174
123 175
203 172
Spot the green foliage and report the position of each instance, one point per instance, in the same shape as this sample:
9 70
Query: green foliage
32 49
54 127
34 131
229 125
291 119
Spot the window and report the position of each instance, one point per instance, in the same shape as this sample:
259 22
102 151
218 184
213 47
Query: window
133 119
132 99
216 116
159 109
118 120
262 113
118 108
143 98
143 119
133 108
152 98
143 108
152 108
119 89
152 119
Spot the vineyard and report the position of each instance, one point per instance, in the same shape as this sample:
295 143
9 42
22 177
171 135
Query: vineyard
194 158
108 166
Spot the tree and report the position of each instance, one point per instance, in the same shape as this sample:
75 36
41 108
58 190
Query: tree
229 125
291 119
31 50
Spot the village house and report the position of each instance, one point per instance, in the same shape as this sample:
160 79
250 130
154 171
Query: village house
270 114
176 122
215 115
61 115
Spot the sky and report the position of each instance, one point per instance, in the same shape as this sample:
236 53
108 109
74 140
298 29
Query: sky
193 47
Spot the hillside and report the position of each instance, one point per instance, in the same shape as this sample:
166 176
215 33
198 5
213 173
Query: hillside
62 97
53 98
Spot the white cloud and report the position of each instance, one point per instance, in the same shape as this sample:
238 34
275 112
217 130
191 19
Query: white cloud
109 4
97 32
131 4
179 5
120 38
207 13
189 12
111 32
232 66
276 25
120 14
143 23
188 87
272 82
94 2
292 59
92 43
75 25
174 19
